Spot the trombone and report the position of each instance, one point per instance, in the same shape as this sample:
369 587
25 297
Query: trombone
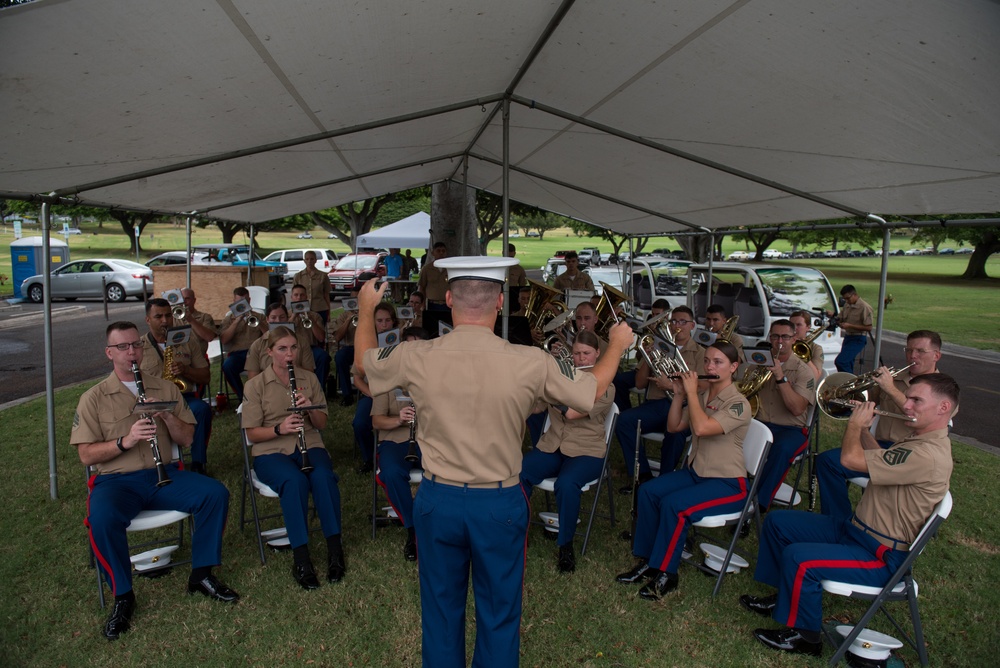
803 349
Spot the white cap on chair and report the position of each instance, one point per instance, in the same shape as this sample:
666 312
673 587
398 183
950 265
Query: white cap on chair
870 648
477 267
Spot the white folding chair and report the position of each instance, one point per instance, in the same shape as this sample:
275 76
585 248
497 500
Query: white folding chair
900 587
549 484
150 561
755 447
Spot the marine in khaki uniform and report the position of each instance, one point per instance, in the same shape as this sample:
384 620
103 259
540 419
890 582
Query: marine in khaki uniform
202 324
188 365
516 277
114 440
573 278
801 320
715 322
316 331
474 391
274 431
343 333
784 409
923 351
237 336
855 322
317 286
653 412
799 550
571 451
433 281
258 358
714 482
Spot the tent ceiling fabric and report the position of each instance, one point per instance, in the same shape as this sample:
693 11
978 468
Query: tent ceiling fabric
884 107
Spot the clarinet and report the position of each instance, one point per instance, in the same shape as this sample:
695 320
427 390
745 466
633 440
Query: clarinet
411 454
303 450
161 471
627 535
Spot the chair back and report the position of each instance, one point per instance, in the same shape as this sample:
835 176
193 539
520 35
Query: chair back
940 514
755 444
609 423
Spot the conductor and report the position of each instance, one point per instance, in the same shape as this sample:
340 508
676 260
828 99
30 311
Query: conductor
474 391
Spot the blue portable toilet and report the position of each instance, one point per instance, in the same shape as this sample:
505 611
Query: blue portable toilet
27 259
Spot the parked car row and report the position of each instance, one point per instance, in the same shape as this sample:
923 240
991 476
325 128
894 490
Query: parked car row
93 279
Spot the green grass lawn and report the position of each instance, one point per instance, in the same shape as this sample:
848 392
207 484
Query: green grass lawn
51 616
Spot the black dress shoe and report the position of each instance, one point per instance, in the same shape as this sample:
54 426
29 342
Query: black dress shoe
212 588
410 549
335 567
198 467
567 560
762 605
305 575
120 619
639 573
788 640
658 587
366 467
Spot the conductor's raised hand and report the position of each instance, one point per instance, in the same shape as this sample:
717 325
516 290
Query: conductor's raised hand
369 296
620 335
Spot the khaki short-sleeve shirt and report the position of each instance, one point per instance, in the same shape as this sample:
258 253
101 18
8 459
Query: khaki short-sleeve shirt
105 413
516 276
772 407
580 437
266 401
152 356
721 456
386 404
244 335
433 282
206 321
345 316
473 391
817 356
858 313
317 285
579 281
907 480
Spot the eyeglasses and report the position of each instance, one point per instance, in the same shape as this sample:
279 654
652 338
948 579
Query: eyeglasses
781 337
918 351
679 322
135 345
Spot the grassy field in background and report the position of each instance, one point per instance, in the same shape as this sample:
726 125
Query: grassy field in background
926 290
51 615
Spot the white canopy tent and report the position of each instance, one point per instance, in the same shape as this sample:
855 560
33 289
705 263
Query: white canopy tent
643 118
410 232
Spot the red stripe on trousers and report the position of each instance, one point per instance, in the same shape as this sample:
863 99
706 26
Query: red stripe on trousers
827 563
684 514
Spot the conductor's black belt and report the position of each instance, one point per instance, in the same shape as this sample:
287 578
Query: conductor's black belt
888 541
500 484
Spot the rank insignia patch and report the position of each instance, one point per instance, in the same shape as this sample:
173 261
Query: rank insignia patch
895 456
811 384
385 352
737 409
76 420
567 369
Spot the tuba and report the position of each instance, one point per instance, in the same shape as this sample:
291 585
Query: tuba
168 362
803 349
540 297
836 392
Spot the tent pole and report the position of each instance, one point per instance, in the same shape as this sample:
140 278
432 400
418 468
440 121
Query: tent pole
187 226
886 234
505 198
711 268
50 398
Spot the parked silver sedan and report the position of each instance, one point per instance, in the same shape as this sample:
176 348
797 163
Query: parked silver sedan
94 278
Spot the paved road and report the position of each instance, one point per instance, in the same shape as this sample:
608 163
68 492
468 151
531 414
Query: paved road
78 333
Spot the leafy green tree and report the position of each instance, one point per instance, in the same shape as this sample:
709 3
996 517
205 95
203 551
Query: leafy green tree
489 216
542 222
582 229
985 241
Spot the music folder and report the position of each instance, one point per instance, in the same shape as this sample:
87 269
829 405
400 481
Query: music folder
177 336
759 356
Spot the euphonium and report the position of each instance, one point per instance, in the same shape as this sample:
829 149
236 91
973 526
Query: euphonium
543 305
140 395
728 329
803 349
659 363
611 299
168 374
562 353
306 466
836 391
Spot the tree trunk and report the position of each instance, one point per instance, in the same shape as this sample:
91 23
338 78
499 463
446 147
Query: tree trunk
229 231
453 218
976 268
698 248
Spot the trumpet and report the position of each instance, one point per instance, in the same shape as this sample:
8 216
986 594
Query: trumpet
161 470
179 311
850 406
252 321
843 387
306 467
305 321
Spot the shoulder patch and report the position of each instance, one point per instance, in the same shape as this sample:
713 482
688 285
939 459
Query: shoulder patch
896 456
737 409
567 369
76 419
811 383
385 352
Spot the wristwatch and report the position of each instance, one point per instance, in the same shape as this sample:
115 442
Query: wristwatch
121 447
784 379
277 429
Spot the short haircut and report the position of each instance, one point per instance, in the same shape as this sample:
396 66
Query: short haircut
511 249
388 308
847 290
156 302
727 349
416 332
475 295
299 285
241 292
683 309
661 304
120 326
274 306
941 384
571 255
587 305
419 294
716 308
440 244
925 334
588 338
308 253
805 315
783 322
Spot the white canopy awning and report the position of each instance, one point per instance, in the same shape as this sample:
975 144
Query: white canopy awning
410 232
640 117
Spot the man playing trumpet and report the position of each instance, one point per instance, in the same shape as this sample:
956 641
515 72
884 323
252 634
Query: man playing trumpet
315 326
237 333
113 439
